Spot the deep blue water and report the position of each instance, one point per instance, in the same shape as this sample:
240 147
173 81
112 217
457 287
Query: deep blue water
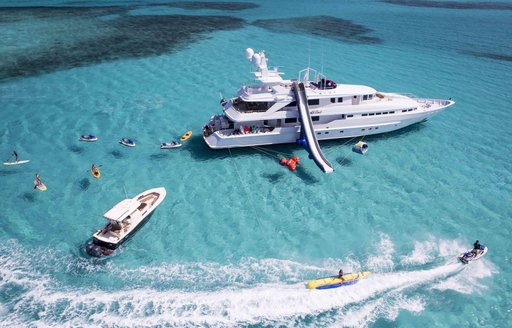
238 236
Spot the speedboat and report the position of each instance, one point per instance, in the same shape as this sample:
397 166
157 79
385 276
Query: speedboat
127 142
336 281
88 138
309 109
124 219
169 145
468 256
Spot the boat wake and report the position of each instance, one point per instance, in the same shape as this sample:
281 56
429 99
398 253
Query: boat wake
254 291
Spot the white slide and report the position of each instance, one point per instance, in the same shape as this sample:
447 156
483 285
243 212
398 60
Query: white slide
309 132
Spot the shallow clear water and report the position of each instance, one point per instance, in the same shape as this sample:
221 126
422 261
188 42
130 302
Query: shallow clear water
238 235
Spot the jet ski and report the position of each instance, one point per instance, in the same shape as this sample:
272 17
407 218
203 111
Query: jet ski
169 145
88 138
468 256
127 142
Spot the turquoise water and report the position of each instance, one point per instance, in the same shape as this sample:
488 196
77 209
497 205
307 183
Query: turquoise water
238 235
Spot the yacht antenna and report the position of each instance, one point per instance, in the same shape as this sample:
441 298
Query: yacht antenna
125 194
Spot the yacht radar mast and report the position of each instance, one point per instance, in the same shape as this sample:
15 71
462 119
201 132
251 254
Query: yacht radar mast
262 72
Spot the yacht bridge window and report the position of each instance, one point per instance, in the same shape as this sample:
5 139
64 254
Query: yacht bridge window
248 107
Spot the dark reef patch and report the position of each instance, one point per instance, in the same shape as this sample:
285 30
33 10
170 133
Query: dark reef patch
28 196
75 149
84 184
489 55
117 154
322 26
452 4
158 157
77 36
198 5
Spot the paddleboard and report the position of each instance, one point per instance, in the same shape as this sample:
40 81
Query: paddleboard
17 163
186 136
41 186
96 174
336 281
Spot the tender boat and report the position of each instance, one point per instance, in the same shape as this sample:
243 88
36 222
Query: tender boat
310 108
468 256
123 220
169 145
127 142
88 138
336 281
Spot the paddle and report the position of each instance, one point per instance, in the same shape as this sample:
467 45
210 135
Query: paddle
96 166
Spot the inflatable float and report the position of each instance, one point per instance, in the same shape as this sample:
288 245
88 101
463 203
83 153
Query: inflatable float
360 148
336 281
17 163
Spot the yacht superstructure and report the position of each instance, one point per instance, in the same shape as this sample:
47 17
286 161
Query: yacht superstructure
268 112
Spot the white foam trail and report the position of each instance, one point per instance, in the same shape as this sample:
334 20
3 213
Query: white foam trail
271 303
423 252
384 260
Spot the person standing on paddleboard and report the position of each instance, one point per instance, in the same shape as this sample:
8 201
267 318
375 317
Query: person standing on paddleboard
15 154
38 181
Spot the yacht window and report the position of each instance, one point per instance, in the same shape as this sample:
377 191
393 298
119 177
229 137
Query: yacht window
350 115
384 113
231 125
327 133
290 120
370 97
410 109
255 106
378 113
405 110
371 114
364 114
362 129
313 102
340 99
315 118
391 112
319 133
292 104
265 122
341 131
365 97
333 100
342 116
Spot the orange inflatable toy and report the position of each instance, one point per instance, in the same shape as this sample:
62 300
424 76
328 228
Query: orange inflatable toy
283 161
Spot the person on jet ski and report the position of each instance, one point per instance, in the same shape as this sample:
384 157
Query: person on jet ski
476 248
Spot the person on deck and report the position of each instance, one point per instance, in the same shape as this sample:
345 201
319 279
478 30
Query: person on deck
340 274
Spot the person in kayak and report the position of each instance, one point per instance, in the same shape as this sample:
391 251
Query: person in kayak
15 154
476 248
94 169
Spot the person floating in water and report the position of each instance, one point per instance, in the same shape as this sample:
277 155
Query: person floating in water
476 248
38 181
15 154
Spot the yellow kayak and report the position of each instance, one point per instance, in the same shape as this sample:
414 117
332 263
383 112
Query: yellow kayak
96 173
186 136
336 281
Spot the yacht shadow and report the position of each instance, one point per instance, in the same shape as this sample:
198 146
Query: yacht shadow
344 161
273 177
84 184
307 177
116 154
76 149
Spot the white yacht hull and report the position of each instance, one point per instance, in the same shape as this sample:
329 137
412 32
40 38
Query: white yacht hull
344 129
